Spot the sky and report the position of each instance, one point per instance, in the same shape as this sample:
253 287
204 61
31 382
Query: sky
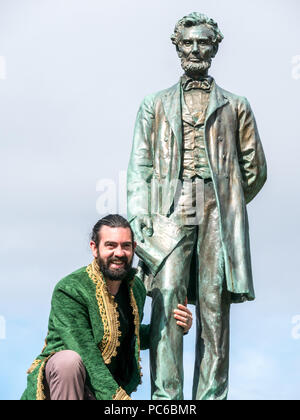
72 76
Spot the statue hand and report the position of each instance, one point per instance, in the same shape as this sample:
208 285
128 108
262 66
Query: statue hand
143 225
184 317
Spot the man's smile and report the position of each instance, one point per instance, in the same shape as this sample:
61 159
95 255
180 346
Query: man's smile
117 264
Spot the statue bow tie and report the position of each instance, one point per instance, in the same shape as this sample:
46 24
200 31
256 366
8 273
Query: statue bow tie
197 84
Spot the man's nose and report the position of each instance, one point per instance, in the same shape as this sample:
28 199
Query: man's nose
195 47
119 252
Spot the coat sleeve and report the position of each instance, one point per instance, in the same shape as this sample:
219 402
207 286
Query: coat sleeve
251 155
71 321
140 167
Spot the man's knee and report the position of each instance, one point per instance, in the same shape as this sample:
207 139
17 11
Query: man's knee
66 363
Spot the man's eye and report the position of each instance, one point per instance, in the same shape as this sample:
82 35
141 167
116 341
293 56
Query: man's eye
187 43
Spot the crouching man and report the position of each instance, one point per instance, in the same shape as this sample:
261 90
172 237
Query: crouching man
92 349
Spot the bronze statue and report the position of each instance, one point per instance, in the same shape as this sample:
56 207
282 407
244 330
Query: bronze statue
196 161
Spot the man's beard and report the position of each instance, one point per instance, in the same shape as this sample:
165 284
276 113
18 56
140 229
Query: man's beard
193 69
114 274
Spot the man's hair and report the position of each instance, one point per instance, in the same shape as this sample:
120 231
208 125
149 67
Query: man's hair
195 19
113 221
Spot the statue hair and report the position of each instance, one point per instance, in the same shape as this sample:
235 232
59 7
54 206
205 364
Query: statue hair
195 19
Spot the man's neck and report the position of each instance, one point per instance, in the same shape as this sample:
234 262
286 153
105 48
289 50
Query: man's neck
113 286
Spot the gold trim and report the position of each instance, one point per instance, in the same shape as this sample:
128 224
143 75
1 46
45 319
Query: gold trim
40 395
45 344
36 362
108 312
121 394
33 365
136 320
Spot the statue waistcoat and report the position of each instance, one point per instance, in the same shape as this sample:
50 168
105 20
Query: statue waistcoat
194 161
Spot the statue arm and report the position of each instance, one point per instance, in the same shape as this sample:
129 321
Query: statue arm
251 155
140 167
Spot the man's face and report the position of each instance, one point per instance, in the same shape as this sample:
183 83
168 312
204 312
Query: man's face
115 252
196 49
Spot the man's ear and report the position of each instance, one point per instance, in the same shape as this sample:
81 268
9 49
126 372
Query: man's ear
179 53
94 249
216 47
134 245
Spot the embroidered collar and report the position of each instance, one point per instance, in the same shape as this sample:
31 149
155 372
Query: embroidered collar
109 313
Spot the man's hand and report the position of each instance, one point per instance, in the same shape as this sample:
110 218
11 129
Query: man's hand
142 225
184 317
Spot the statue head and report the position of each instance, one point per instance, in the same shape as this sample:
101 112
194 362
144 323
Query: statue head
197 39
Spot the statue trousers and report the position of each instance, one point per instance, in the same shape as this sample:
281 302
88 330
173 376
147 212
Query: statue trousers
195 210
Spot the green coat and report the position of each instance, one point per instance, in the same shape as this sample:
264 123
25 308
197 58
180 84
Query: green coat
238 169
84 319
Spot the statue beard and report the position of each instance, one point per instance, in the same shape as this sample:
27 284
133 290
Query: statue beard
115 274
195 69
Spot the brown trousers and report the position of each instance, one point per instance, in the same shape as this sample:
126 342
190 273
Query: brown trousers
65 377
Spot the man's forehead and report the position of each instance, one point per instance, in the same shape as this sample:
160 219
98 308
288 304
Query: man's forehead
200 32
115 234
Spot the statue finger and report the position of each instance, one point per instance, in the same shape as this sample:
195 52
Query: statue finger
149 226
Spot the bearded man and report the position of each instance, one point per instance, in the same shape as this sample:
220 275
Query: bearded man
92 350
196 161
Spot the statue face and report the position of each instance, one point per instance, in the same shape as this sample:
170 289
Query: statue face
196 50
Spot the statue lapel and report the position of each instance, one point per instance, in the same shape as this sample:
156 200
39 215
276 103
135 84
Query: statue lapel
217 100
172 106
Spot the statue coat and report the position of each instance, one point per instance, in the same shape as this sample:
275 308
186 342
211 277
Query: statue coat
238 170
